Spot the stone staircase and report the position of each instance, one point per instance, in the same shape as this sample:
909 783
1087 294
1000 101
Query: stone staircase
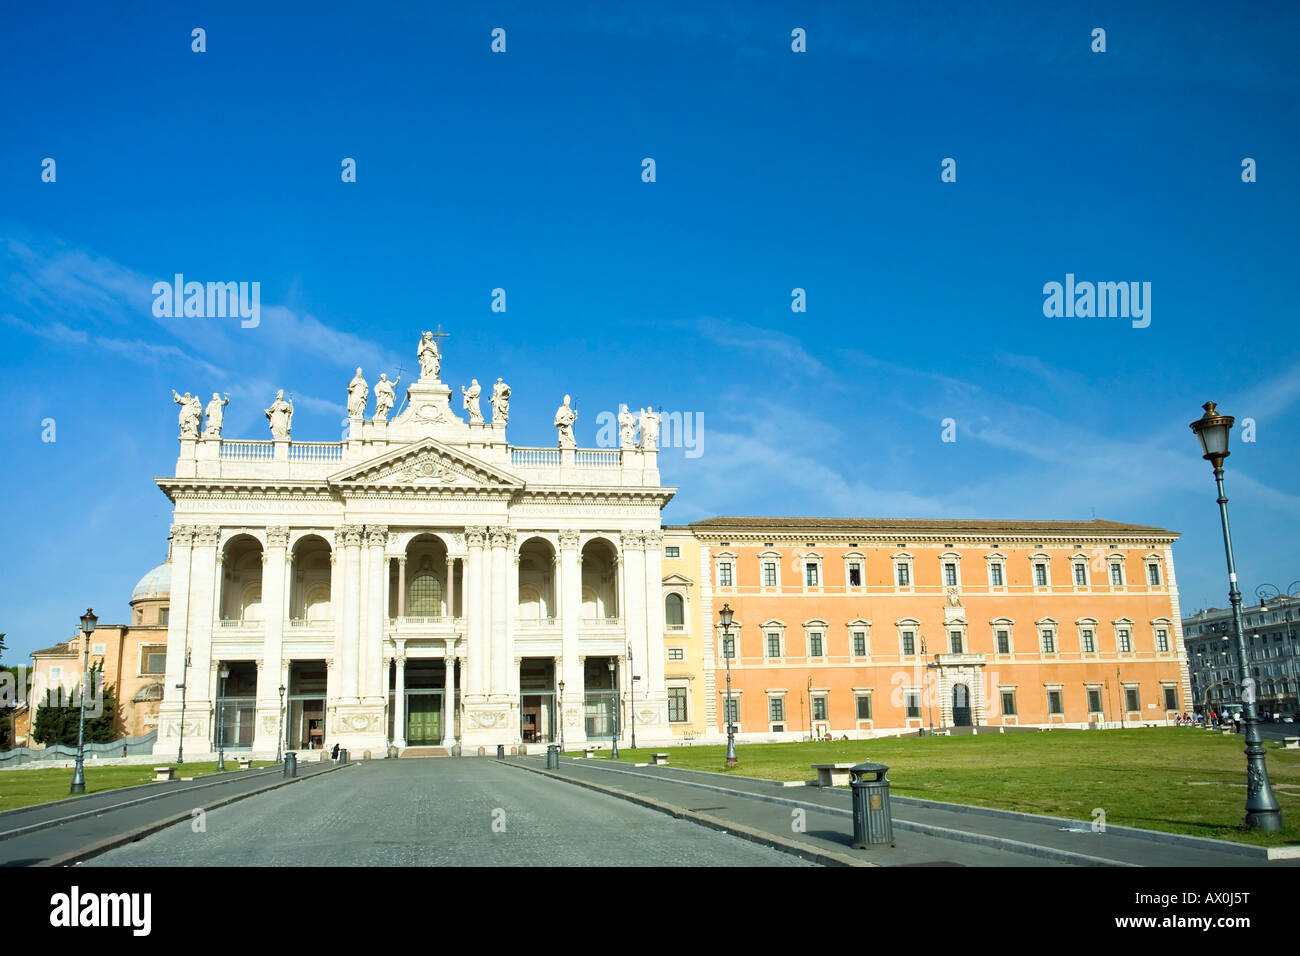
425 752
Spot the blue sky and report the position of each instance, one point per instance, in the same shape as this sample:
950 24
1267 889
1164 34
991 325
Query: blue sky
775 170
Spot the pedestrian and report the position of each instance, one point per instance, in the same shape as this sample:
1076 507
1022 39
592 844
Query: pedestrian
334 754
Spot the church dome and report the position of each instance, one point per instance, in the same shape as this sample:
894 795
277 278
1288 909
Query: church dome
155 584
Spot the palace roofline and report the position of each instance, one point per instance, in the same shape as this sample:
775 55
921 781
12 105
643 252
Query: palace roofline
1092 528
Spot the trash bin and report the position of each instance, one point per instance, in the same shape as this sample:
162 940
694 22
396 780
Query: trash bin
343 755
501 751
553 757
873 824
291 765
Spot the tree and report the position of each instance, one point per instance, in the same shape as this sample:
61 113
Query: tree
58 719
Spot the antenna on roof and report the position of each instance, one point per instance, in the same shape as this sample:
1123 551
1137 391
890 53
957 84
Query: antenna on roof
1094 513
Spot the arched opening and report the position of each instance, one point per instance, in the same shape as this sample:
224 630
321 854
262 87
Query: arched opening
309 591
675 612
960 705
425 579
536 581
241 580
599 581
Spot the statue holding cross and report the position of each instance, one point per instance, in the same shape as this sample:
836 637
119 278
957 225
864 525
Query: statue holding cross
429 355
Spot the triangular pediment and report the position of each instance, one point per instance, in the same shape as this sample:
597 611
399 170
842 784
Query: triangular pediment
678 579
427 463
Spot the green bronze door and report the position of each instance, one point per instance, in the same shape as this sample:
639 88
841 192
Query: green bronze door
423 719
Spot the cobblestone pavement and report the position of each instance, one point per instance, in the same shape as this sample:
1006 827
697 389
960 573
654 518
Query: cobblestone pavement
440 812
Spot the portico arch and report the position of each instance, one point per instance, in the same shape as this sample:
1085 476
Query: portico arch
599 580
309 589
241 579
536 581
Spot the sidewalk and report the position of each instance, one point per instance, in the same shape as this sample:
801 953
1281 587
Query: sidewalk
925 833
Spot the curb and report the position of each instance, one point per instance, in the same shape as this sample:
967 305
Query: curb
130 836
793 847
1290 852
963 836
36 827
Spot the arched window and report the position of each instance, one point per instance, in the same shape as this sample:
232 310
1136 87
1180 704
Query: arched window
674 612
426 597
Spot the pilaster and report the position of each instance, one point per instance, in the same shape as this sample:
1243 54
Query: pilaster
274 569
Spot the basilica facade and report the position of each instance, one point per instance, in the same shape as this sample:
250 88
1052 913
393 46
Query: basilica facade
421 586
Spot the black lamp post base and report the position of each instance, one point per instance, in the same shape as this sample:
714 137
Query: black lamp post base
1269 821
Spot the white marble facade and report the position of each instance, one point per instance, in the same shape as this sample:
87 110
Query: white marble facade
419 541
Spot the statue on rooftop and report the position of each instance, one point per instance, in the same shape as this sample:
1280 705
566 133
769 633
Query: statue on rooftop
429 356
385 396
649 429
358 393
565 416
626 428
280 416
191 413
500 403
215 415
470 401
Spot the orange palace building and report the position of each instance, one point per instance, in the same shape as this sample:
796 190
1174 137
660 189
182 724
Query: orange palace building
865 627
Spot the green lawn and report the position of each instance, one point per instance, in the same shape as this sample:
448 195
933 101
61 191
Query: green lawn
1176 779
21 788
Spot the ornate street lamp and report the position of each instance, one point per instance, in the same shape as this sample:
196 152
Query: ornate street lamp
279 733
88 621
221 719
724 616
1262 810
613 681
929 697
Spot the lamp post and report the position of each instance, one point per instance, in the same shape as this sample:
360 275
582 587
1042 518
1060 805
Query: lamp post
725 615
279 733
631 666
929 697
1262 810
185 671
560 715
810 713
88 621
613 682
221 719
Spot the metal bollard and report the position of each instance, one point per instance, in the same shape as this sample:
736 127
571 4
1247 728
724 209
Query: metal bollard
291 765
873 823
501 751
553 757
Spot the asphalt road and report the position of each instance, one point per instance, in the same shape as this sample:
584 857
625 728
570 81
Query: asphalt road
433 812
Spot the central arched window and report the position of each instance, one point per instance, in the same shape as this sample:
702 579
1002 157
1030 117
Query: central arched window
673 611
426 597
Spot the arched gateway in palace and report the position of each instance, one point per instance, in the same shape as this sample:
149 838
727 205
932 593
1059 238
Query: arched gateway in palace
421 584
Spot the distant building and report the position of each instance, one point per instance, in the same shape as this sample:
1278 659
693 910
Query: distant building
133 658
1271 651
861 627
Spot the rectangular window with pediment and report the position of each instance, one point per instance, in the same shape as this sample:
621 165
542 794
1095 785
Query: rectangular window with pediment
769 574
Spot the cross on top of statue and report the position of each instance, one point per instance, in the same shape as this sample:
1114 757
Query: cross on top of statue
430 355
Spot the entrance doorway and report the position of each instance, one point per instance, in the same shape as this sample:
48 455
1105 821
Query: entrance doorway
423 718
305 721
960 705
537 700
